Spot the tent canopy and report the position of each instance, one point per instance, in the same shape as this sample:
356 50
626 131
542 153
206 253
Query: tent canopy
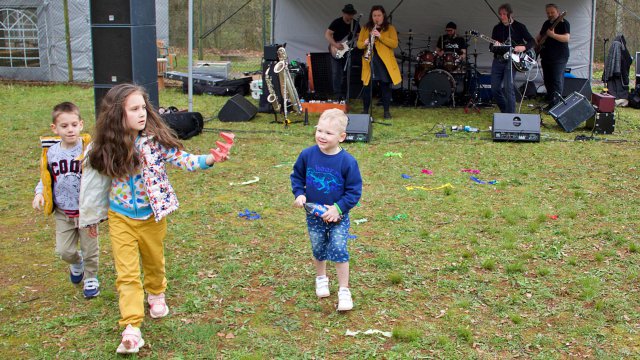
301 25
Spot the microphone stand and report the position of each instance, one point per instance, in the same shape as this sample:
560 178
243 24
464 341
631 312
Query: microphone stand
347 64
371 79
511 52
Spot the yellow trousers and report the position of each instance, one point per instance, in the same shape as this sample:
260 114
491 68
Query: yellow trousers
134 242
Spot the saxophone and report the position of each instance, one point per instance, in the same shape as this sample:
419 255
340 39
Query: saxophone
286 82
369 51
272 98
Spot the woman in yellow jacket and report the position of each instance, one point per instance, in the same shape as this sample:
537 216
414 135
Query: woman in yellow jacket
378 56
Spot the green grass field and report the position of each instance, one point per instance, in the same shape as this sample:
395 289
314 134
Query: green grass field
468 271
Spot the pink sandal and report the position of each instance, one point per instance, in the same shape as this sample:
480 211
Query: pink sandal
131 341
157 306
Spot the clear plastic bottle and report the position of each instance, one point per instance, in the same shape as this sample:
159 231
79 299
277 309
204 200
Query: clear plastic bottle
315 209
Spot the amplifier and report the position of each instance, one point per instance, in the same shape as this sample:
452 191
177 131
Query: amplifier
516 127
603 102
602 123
572 111
358 128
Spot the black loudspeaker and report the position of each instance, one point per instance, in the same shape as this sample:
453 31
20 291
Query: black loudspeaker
123 12
124 54
572 111
271 52
359 128
264 105
602 123
571 85
516 127
185 124
123 39
321 68
100 90
238 108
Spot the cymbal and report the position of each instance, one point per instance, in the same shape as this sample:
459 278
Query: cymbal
402 57
409 33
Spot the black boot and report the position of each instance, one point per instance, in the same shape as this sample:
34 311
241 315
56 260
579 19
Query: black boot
387 114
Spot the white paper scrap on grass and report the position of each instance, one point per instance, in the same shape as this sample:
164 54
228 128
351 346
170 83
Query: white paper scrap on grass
255 179
368 332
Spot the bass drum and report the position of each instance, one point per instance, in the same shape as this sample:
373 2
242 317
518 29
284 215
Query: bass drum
426 63
436 88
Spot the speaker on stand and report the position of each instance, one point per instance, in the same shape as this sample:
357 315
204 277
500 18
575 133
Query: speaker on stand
123 39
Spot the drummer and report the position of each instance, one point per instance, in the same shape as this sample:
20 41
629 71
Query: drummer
451 42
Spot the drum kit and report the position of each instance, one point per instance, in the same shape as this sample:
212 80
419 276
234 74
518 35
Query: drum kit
440 80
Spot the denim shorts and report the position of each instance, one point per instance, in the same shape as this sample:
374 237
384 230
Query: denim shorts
329 240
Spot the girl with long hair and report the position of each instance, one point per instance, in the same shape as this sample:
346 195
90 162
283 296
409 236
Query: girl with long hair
125 181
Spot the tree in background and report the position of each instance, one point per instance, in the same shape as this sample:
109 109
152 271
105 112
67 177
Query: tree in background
243 31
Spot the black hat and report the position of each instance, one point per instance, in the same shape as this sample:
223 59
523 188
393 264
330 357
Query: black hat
349 9
451 25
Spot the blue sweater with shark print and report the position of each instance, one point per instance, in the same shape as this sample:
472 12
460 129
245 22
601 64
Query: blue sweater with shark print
327 179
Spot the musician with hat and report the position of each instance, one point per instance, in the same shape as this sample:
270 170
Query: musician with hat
341 31
553 47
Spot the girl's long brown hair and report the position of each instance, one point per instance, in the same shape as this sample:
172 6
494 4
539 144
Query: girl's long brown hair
113 152
385 23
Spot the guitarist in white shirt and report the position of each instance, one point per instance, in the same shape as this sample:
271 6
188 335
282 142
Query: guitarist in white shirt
502 73
338 34
553 47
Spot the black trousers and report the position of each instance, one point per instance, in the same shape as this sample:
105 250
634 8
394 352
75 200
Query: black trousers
553 75
385 89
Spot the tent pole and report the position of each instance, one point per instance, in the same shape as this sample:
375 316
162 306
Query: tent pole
200 56
67 35
190 55
593 39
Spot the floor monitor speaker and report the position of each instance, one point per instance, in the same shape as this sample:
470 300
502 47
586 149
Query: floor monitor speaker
572 111
516 127
238 108
359 128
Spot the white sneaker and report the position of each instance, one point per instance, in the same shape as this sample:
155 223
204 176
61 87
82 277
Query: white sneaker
157 306
322 287
345 302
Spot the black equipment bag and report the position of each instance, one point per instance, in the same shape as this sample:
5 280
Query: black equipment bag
240 86
185 124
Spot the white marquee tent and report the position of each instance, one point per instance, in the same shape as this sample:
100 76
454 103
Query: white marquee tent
301 24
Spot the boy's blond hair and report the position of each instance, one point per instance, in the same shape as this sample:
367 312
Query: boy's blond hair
65 107
336 115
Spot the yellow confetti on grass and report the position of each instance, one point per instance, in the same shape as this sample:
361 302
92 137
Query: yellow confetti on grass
411 188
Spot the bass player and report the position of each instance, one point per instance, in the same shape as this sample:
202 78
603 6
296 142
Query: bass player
339 33
553 47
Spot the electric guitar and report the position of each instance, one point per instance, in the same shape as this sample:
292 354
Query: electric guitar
522 62
558 20
339 53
